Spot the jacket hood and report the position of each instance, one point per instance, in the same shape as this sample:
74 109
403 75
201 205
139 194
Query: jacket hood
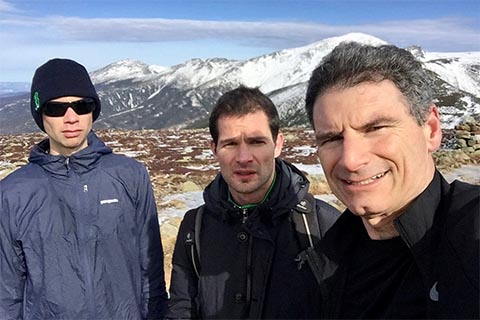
291 186
81 161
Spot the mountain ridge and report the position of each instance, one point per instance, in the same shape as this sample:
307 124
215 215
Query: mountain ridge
135 95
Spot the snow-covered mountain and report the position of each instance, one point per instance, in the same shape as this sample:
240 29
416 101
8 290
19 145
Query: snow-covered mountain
13 88
138 96
125 69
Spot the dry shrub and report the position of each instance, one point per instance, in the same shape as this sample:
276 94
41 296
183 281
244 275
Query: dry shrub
174 203
169 231
290 136
318 184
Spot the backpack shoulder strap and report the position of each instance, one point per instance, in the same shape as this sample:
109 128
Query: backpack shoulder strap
193 240
198 227
306 223
310 228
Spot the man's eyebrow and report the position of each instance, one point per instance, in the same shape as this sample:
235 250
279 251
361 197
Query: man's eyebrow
321 136
227 140
258 137
379 121
382 120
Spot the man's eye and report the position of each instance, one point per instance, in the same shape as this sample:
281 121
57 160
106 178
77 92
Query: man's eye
376 128
327 140
229 144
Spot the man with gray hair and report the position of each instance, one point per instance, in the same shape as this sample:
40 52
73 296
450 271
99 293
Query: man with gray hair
408 244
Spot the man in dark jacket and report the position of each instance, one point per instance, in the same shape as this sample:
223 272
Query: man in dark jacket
78 224
248 243
408 244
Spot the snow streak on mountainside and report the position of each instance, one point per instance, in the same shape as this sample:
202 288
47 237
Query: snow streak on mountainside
138 96
461 70
125 69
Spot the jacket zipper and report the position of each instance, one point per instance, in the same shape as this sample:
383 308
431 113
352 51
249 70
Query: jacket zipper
89 284
244 215
248 297
84 241
67 164
249 274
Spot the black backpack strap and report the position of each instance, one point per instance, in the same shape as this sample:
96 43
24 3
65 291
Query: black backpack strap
305 219
308 229
193 240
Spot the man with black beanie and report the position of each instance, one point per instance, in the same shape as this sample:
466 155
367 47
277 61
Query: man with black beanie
78 224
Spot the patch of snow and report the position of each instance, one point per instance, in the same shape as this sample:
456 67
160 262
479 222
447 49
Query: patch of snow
310 169
132 154
191 200
206 155
305 150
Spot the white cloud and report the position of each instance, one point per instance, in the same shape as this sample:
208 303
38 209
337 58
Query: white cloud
6 7
27 41
434 34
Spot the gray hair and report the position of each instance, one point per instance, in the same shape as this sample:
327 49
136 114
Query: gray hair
352 63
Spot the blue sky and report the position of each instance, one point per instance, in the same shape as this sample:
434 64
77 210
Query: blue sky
99 32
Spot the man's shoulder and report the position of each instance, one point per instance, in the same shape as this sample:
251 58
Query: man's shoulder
462 206
461 233
119 158
117 161
324 206
327 214
24 174
190 215
463 200
24 182
464 192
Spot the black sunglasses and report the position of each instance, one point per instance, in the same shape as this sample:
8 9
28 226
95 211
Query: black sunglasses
58 109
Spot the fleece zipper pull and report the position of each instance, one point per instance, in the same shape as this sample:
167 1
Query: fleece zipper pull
67 163
244 215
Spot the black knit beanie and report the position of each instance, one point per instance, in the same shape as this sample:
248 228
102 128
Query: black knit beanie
60 78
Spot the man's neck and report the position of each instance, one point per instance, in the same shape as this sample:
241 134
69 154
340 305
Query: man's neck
247 203
380 232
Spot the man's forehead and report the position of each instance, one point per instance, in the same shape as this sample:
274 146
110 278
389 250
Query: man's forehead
250 120
243 134
253 113
67 99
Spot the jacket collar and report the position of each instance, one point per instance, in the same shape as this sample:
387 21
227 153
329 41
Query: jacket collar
421 226
419 217
290 187
80 162
414 225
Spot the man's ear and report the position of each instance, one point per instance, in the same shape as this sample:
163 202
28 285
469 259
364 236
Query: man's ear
433 129
213 147
279 144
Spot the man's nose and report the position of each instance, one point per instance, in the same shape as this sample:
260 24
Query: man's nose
244 153
354 152
70 116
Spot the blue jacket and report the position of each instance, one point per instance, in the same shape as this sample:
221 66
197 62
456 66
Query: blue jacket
80 238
